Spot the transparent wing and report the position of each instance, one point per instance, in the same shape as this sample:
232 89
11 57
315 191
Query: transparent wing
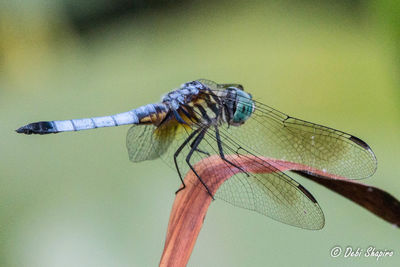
140 143
216 86
147 142
272 133
280 136
275 195
212 85
272 194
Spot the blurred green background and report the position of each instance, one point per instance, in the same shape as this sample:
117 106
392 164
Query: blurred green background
74 199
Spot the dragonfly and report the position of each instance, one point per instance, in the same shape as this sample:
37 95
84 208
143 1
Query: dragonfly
202 118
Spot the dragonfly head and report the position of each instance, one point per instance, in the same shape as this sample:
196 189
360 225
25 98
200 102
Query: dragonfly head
242 108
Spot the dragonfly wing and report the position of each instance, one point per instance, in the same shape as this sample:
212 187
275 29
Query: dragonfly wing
273 193
269 132
211 84
310 144
141 143
147 142
216 86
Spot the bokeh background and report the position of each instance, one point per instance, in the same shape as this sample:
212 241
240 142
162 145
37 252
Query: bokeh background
74 199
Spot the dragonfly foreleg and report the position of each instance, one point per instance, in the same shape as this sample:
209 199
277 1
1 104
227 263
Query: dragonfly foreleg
176 154
198 139
221 152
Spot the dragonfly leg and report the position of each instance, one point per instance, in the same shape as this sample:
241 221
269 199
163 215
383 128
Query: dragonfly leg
197 149
221 152
204 115
198 139
176 154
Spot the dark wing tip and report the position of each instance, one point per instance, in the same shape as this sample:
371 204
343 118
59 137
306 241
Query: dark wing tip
368 149
307 193
360 142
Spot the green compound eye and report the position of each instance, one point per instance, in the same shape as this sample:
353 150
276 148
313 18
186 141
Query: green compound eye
244 107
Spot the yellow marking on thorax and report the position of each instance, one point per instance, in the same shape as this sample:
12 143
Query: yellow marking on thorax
189 121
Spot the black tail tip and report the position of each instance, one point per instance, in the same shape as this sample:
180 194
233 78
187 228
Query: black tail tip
42 127
24 130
